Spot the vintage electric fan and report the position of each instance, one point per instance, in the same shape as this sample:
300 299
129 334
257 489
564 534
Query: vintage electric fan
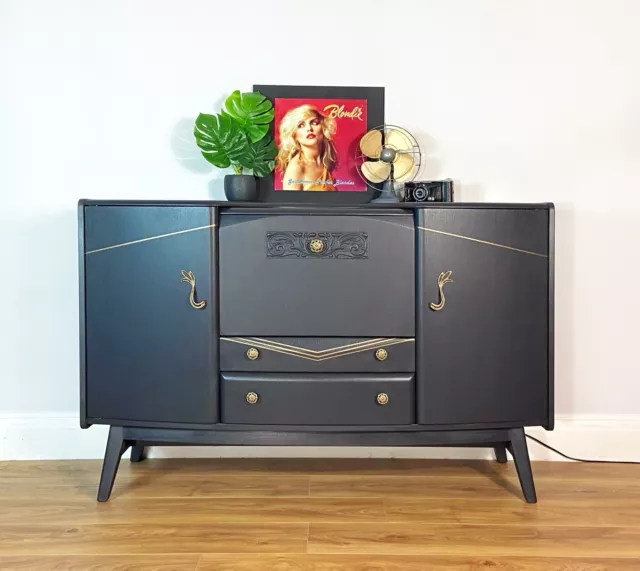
388 155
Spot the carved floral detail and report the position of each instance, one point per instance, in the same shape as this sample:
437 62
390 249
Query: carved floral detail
317 245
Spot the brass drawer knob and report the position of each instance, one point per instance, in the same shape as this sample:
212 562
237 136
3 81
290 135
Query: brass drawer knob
381 354
252 398
316 246
382 398
253 353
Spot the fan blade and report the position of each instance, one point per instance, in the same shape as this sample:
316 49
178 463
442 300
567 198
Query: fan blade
376 171
398 140
403 167
371 144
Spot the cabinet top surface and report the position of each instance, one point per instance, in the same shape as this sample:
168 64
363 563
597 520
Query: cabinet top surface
311 206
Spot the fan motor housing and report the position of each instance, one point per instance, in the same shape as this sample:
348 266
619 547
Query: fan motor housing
388 155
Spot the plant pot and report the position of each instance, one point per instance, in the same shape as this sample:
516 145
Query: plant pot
241 187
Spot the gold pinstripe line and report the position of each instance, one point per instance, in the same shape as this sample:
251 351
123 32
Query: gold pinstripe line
150 238
483 242
294 353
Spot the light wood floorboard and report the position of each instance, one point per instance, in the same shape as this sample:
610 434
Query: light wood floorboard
407 563
94 562
319 515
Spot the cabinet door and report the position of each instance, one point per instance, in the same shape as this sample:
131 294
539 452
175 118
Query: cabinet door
483 354
150 355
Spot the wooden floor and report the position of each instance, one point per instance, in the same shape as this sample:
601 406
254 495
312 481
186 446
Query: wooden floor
319 515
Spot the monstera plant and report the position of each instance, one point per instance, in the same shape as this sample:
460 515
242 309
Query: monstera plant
237 137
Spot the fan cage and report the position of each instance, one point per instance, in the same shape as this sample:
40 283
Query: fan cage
414 150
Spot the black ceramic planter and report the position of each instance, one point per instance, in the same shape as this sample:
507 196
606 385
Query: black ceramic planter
240 187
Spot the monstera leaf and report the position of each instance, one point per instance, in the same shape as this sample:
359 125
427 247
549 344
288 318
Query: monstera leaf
220 139
252 111
260 157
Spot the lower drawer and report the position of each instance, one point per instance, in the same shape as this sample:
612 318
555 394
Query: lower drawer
317 399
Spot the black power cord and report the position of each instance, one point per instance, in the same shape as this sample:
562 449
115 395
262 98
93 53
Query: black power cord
580 459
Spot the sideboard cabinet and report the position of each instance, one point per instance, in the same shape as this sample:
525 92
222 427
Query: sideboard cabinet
219 323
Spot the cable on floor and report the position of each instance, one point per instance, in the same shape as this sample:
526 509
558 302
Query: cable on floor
580 459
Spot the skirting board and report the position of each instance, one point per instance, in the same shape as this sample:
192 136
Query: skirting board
59 437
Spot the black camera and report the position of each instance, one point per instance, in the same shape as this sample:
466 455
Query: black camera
428 191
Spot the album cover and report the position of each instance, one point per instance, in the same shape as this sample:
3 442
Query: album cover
317 141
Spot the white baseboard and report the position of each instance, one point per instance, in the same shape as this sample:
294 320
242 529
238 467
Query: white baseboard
59 437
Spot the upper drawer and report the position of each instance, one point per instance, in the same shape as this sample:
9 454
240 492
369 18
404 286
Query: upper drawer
299 275
317 354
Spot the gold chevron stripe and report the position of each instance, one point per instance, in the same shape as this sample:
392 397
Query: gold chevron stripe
297 352
274 349
300 355
313 352
150 238
336 351
483 242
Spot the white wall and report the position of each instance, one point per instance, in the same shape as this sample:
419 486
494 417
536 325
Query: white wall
516 100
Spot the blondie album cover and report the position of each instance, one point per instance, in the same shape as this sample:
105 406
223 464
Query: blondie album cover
317 141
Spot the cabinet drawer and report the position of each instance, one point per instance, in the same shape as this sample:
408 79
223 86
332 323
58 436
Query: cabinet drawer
317 399
317 354
317 275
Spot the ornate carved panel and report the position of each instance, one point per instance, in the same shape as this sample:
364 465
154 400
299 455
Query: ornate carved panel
317 245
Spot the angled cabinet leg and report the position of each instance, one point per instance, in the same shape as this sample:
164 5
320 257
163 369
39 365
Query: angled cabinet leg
137 453
517 446
116 447
500 451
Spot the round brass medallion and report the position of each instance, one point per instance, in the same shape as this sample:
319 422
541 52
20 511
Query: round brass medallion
381 354
316 246
252 398
253 353
382 398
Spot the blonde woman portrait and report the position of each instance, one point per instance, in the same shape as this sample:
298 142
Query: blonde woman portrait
307 154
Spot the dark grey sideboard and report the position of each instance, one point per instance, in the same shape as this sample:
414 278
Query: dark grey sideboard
219 323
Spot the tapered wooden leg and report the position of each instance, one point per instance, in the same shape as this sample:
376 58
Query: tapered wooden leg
517 446
500 451
137 453
116 447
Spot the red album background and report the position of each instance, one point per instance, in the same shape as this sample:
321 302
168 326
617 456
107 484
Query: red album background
350 116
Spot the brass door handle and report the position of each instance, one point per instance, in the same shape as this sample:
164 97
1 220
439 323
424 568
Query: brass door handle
252 398
382 398
443 279
253 353
191 280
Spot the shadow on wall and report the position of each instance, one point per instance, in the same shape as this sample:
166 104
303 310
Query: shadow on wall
431 169
430 164
565 315
188 154
186 151
40 367
468 192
